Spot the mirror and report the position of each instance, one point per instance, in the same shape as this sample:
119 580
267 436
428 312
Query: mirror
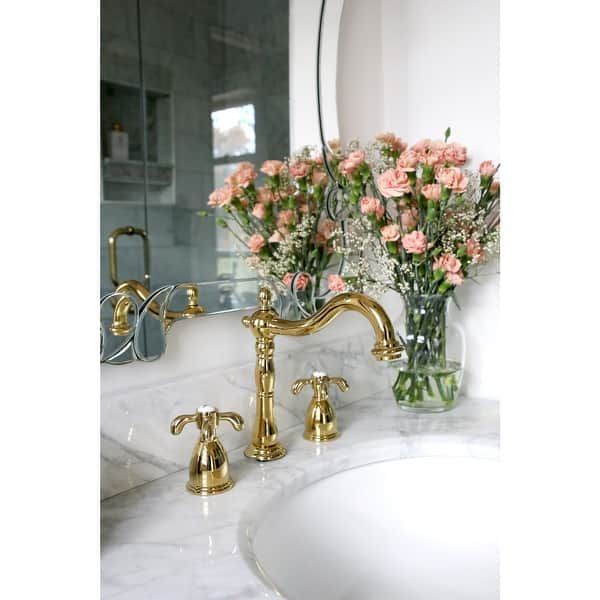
416 67
189 90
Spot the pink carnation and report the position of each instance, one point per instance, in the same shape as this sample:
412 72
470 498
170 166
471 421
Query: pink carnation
407 161
300 283
299 169
256 242
391 233
455 154
259 211
448 263
352 162
415 242
409 218
389 139
371 206
495 187
432 191
430 152
487 168
455 278
335 283
327 228
319 177
453 178
264 195
272 167
243 176
475 251
285 217
220 197
393 183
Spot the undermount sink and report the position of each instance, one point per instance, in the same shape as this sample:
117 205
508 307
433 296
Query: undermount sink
407 529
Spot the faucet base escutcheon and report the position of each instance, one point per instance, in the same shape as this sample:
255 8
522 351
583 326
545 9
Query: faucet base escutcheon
265 454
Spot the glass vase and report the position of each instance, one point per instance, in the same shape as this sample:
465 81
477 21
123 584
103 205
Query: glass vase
428 379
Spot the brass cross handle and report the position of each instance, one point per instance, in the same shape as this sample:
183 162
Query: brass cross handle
209 465
320 423
320 383
207 418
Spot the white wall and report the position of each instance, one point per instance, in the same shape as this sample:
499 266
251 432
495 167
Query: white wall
440 61
415 67
304 24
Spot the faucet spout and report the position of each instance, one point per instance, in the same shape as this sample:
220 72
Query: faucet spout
386 346
265 324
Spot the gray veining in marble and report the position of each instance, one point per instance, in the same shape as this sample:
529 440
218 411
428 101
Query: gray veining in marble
159 542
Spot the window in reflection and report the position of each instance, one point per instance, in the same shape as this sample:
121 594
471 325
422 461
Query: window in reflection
233 131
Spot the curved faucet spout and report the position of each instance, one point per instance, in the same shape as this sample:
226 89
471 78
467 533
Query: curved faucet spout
386 346
265 324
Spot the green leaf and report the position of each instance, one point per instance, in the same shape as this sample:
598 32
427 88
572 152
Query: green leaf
447 134
222 223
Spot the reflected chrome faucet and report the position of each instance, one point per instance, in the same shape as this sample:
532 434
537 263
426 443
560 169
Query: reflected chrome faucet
265 324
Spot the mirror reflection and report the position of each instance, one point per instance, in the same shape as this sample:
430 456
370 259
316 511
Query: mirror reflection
188 90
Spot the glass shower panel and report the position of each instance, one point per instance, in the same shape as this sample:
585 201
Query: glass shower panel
221 69
122 195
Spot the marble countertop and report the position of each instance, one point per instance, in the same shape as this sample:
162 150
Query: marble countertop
161 542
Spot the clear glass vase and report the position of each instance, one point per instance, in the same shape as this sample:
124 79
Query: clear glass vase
428 379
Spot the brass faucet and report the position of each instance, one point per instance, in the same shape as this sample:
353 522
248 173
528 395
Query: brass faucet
320 423
120 325
209 465
265 324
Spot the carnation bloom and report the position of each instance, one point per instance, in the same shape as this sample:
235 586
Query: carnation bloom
391 233
408 161
393 183
319 177
455 154
285 217
301 281
264 195
327 228
336 283
352 162
409 218
371 206
220 196
455 278
259 210
448 263
432 191
453 178
415 242
256 242
299 169
475 251
487 168
495 187
389 139
430 152
243 176
272 167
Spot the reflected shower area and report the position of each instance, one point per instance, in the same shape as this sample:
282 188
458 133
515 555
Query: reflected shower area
188 90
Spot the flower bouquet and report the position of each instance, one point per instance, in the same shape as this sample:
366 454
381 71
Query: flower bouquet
283 225
423 225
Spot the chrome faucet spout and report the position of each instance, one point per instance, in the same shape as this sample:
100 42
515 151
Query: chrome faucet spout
265 324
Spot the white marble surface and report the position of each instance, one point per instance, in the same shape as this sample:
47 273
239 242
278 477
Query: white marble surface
160 542
137 446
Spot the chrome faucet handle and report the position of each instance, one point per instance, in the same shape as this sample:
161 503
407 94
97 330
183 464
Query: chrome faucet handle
208 477
320 423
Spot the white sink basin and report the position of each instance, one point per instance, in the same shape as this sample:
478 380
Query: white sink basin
409 529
